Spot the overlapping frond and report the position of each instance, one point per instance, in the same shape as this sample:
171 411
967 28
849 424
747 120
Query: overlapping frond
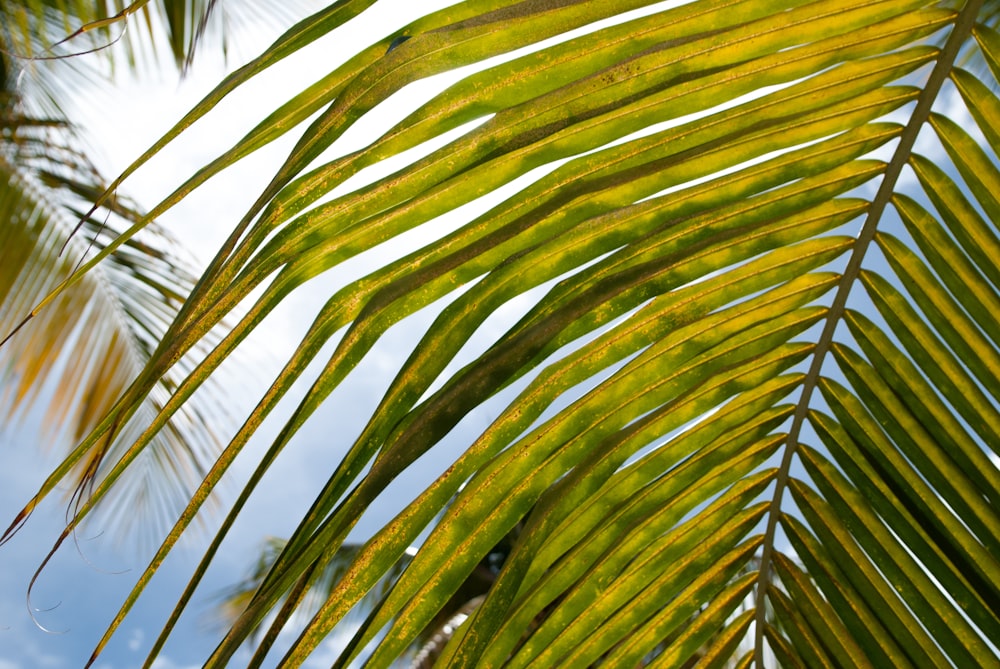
76 357
750 413
44 30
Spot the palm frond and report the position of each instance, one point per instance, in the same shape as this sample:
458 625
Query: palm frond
758 358
78 356
40 31
87 350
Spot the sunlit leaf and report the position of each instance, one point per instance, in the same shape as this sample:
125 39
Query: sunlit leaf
748 414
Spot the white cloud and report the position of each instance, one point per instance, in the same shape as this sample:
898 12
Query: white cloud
166 663
135 642
34 657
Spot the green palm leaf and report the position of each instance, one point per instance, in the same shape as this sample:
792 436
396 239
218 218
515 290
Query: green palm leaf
751 364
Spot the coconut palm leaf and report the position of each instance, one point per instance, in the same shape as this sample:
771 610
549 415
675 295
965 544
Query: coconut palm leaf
44 30
234 599
78 357
759 335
